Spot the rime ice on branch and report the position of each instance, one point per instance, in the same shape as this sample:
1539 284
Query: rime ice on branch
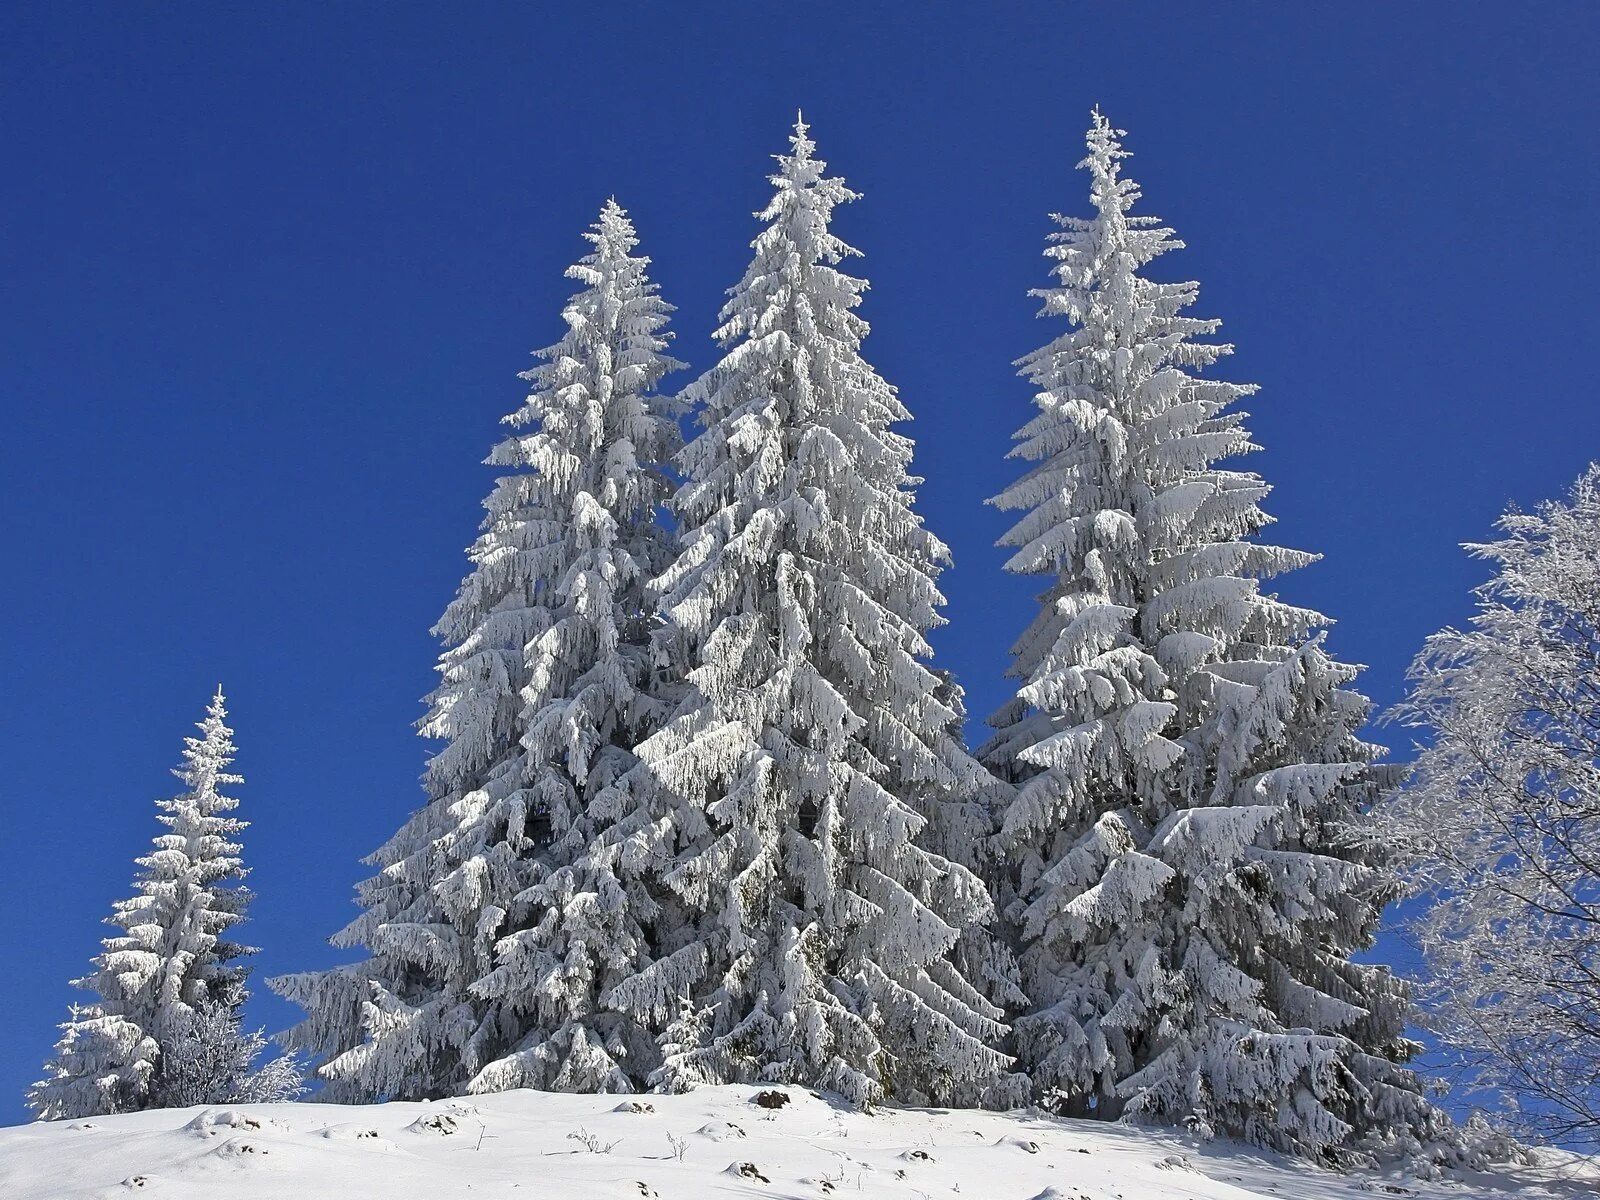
1499 822
497 918
1190 869
806 934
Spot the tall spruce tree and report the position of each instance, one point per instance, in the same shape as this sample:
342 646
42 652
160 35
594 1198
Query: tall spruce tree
170 984
496 920
803 933
1190 867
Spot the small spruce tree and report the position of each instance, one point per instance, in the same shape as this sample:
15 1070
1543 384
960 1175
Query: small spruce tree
169 987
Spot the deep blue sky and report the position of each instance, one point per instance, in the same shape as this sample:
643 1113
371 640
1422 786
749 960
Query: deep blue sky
267 275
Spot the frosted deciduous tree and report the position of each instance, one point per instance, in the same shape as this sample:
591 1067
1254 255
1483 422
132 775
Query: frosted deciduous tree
805 935
210 1058
496 919
1189 869
169 985
1500 821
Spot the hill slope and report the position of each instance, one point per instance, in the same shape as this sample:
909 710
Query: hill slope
717 1142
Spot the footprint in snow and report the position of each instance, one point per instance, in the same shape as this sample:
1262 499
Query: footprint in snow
823 1184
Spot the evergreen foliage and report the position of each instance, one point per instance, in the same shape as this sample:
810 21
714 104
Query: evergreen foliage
495 921
169 986
805 933
1190 867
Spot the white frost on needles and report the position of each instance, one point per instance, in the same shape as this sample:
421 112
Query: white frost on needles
497 920
1190 867
805 933
169 986
1499 822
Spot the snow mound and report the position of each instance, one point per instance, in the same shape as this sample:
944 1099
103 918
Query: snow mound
444 1124
712 1143
365 1135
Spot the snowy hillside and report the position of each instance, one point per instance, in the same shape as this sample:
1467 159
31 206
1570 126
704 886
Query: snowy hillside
712 1143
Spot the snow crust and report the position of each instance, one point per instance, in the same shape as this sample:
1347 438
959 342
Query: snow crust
595 1147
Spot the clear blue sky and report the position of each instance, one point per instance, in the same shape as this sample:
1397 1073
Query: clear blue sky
268 272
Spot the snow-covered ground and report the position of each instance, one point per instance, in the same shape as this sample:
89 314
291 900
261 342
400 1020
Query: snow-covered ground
712 1143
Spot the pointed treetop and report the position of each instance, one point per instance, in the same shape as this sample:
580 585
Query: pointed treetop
214 726
612 230
1109 192
800 178
217 709
801 145
206 757
1105 144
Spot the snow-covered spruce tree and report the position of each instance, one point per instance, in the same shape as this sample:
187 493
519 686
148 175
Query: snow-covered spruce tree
497 919
960 827
1499 822
172 960
1190 870
805 935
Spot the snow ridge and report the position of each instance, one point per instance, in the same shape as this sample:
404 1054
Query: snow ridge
715 1142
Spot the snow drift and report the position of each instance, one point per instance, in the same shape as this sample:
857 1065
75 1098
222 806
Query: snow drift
715 1142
